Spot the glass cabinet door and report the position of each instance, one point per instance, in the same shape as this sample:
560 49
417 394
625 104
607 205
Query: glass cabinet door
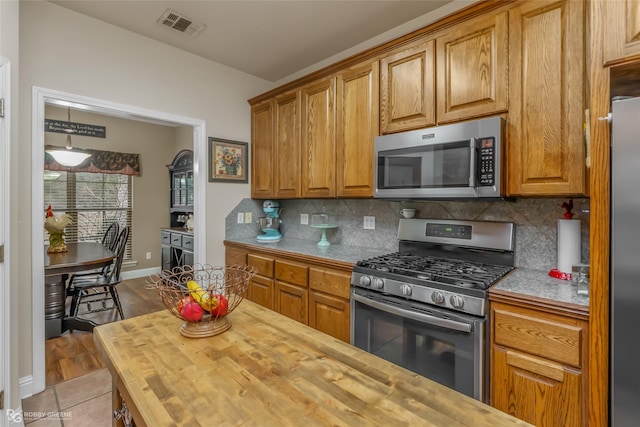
189 188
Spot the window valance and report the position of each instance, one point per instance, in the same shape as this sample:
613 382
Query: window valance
99 162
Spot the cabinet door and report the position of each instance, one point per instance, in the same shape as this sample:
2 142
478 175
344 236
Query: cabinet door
319 139
291 301
262 150
260 291
472 69
357 127
329 314
187 258
621 30
536 390
407 89
545 151
166 257
287 146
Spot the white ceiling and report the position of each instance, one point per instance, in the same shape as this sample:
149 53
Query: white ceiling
267 39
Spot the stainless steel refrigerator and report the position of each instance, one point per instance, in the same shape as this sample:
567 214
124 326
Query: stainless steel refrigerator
625 264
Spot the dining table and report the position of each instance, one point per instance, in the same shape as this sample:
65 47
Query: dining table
79 257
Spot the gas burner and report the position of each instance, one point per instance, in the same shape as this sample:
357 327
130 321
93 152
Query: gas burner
454 272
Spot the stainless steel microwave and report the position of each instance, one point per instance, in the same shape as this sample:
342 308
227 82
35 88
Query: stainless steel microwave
456 161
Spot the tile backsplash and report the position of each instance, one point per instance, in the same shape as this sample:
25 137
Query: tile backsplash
536 222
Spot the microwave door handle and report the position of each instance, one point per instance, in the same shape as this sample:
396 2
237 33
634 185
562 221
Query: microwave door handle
473 162
420 317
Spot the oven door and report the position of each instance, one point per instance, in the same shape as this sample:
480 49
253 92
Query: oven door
441 345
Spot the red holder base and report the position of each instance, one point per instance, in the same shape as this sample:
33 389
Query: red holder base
559 274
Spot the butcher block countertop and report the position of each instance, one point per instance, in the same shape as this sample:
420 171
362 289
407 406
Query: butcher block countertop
268 370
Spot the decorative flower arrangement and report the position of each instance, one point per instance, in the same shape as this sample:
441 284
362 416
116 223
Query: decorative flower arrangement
228 160
55 227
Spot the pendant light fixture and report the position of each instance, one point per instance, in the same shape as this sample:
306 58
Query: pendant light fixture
68 157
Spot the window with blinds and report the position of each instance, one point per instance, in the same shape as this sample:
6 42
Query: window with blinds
93 200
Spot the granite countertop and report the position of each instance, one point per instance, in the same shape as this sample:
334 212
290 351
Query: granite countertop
538 284
527 282
343 253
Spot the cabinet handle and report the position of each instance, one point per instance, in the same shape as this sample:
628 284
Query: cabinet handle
537 366
607 118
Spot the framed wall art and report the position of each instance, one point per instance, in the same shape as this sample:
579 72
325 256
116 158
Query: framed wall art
228 160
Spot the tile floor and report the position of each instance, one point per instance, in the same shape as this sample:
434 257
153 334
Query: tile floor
80 402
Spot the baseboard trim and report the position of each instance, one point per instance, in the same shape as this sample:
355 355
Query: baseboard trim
134 274
26 386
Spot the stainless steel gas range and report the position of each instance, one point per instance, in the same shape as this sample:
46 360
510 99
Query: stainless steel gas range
425 307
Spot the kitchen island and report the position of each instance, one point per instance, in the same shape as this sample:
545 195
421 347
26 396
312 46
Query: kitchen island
270 370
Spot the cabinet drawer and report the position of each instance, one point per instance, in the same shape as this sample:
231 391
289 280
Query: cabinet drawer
263 266
165 237
176 239
540 334
331 282
235 257
291 272
187 242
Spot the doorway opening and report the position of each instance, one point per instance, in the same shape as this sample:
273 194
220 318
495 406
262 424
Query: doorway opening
42 96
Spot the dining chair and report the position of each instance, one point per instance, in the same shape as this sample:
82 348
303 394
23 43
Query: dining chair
99 289
110 237
109 240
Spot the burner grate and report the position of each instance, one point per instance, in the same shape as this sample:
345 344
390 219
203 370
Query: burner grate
464 274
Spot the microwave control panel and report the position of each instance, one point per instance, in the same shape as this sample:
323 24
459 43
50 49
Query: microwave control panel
486 148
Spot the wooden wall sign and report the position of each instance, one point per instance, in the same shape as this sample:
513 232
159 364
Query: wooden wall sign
59 126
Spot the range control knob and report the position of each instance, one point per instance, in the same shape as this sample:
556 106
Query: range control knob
456 301
377 283
365 280
437 297
406 290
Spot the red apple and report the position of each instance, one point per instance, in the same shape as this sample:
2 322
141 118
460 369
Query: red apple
192 312
183 301
222 307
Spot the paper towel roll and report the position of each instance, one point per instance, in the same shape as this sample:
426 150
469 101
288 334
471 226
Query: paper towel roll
569 246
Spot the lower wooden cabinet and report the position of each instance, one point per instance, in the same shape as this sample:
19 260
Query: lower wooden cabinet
261 286
291 301
329 314
311 291
539 364
261 291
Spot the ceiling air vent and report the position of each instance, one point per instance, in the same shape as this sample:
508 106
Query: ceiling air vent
173 19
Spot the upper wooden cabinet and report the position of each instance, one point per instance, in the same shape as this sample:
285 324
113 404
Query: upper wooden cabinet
319 139
286 144
407 89
357 127
524 60
275 142
472 69
262 150
317 142
621 21
545 148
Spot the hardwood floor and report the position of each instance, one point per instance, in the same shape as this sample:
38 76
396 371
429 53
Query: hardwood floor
74 353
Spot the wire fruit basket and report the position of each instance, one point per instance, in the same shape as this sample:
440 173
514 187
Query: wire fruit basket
202 295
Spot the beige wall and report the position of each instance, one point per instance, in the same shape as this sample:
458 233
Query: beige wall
69 52
157 145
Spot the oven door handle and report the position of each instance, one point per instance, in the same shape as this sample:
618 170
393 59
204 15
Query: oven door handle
426 318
